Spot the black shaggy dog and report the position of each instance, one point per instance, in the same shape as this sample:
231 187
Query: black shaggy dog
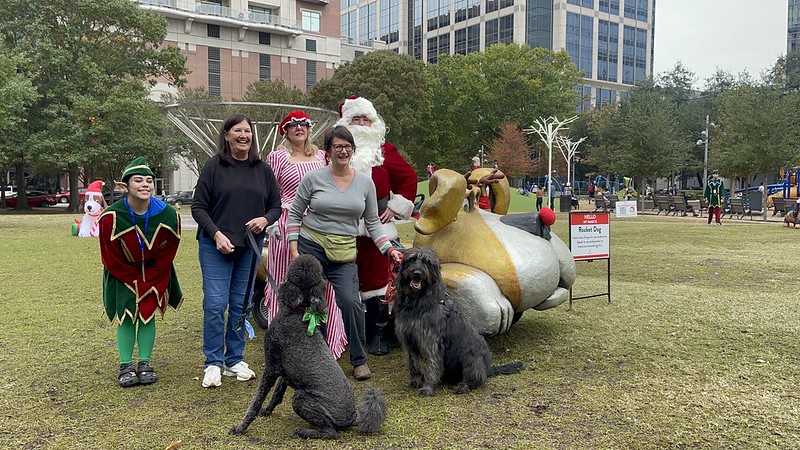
322 396
433 330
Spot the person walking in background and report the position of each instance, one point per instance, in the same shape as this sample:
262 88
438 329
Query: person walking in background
714 194
295 157
139 237
236 192
539 196
430 169
396 187
476 162
763 191
324 221
590 191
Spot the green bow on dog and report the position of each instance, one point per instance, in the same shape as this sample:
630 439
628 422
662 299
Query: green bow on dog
314 319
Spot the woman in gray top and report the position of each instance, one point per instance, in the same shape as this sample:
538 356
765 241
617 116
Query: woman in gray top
334 199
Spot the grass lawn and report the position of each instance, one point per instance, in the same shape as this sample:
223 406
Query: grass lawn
699 349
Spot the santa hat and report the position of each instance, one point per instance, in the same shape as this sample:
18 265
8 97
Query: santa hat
297 116
357 106
95 187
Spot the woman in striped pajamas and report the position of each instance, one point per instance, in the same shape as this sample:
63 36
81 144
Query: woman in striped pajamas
290 162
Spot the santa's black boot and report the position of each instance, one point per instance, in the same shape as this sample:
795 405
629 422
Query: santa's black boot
377 319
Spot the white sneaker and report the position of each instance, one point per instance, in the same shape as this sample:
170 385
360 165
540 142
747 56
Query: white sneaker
212 377
240 370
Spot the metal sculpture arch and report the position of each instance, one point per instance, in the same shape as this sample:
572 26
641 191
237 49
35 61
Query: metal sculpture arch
201 121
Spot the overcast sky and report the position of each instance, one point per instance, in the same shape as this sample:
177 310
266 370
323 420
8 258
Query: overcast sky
733 35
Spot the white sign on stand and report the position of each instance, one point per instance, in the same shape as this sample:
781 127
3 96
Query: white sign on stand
589 235
590 239
627 209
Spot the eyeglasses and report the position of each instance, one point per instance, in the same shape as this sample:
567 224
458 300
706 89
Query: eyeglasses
294 124
340 147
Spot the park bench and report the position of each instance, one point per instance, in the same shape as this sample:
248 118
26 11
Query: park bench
754 205
780 204
736 207
681 205
703 205
602 203
663 204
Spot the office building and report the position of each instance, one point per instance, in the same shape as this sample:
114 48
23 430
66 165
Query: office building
610 40
793 31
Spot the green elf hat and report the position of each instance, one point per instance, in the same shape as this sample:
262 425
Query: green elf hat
137 167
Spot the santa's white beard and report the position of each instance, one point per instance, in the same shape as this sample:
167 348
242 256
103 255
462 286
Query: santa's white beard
368 140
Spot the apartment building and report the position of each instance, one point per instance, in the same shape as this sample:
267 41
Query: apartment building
229 44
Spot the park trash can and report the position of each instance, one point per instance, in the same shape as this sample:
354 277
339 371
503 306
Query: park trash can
565 203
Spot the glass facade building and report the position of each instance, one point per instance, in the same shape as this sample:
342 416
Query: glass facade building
793 35
610 41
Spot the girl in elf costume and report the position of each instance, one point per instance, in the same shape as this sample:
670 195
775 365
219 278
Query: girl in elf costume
139 237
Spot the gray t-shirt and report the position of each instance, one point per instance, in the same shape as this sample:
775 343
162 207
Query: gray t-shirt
332 211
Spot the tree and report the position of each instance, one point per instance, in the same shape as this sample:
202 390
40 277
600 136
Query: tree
511 151
274 91
474 95
641 138
16 95
786 72
758 130
82 54
395 84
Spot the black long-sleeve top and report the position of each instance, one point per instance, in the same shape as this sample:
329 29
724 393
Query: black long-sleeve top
228 196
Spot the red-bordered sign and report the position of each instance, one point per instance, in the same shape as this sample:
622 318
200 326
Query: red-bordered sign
589 235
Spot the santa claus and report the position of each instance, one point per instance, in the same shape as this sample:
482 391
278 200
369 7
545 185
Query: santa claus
396 187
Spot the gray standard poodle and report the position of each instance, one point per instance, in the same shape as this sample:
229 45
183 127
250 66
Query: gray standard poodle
296 355
433 330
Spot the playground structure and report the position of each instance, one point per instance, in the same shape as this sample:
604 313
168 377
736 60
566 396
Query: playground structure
788 187
201 121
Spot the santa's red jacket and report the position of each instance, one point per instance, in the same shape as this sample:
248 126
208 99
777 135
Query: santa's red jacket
399 178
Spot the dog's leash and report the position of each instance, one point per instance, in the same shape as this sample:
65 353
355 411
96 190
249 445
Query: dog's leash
247 307
391 288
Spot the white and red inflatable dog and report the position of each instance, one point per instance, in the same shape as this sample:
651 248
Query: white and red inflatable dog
93 204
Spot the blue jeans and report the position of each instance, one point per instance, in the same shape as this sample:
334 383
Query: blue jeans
224 285
344 280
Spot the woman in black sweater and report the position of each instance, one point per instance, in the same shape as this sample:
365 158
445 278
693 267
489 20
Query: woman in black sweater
236 191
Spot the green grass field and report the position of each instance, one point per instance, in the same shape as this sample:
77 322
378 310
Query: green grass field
699 349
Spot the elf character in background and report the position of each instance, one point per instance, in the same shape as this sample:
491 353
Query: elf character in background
715 195
139 237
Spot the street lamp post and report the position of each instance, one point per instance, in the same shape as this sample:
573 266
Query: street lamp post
547 129
704 142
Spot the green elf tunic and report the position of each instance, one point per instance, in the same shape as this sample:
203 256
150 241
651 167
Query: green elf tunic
136 280
714 192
